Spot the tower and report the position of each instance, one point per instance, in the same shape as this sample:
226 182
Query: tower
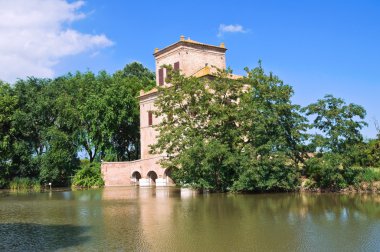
191 58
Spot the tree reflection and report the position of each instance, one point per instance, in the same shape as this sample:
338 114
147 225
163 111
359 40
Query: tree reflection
39 237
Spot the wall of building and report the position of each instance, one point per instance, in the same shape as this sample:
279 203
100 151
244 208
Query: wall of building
120 173
148 134
191 60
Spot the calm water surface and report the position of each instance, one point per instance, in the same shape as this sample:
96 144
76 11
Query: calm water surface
171 219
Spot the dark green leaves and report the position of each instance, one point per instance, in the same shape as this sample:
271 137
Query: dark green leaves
338 123
223 134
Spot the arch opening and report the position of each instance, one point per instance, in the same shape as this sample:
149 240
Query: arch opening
136 176
168 176
152 176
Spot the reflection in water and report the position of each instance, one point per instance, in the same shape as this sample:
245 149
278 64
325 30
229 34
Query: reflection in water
172 219
37 237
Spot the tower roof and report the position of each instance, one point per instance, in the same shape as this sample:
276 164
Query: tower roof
213 71
189 43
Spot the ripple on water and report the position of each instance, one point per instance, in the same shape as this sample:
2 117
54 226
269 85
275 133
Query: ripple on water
162 219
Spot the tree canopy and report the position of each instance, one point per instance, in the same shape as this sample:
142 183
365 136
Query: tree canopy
46 123
222 134
217 133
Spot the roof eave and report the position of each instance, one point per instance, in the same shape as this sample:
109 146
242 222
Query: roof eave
189 44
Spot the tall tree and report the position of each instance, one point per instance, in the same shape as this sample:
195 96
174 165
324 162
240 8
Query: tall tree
137 70
108 111
34 114
218 131
339 124
122 96
8 104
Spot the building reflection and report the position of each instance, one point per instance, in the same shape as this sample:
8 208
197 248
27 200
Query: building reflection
142 215
151 219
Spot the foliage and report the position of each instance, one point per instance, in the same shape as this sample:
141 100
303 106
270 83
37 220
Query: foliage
3 183
8 103
25 184
265 175
139 72
45 123
340 124
206 166
365 154
371 174
212 129
108 112
60 159
122 96
331 172
89 175
218 133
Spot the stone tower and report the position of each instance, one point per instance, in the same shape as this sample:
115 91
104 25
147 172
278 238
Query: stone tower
191 58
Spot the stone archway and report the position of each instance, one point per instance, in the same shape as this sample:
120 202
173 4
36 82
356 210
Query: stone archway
168 177
136 176
152 176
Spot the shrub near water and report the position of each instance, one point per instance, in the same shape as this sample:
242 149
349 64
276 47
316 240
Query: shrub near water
88 176
371 174
330 172
271 175
25 184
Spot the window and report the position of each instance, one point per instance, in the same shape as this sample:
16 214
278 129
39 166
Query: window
161 76
150 118
176 66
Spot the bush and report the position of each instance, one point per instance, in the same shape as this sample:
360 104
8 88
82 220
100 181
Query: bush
353 175
330 172
268 175
89 175
25 184
371 174
332 178
3 183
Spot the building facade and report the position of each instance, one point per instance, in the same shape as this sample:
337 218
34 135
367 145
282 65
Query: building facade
191 58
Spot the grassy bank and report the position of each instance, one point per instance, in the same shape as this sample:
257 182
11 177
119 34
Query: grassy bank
25 184
355 179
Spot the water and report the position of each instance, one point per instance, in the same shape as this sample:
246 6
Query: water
170 219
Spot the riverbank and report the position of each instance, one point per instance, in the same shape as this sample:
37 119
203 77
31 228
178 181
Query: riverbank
305 186
363 187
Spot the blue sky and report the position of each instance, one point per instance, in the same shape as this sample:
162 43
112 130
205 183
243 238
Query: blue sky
318 47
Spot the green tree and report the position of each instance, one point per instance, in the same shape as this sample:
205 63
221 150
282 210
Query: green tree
143 74
46 122
45 147
337 141
339 123
123 107
217 131
8 104
33 115
90 122
122 102
60 160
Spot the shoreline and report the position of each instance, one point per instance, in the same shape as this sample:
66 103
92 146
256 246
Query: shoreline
363 188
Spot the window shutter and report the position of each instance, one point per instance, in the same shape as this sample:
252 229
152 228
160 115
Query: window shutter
161 76
176 66
150 118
